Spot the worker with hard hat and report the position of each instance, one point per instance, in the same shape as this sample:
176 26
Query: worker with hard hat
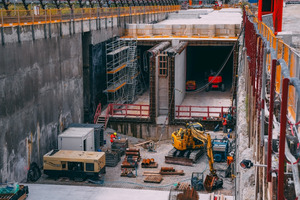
113 137
224 125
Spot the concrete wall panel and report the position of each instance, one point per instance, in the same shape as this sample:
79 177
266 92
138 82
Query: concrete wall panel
41 87
180 77
42 93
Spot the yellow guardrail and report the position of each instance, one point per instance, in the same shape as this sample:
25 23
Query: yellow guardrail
284 52
11 18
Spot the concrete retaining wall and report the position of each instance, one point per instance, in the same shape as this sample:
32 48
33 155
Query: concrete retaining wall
180 77
201 30
41 92
144 130
41 81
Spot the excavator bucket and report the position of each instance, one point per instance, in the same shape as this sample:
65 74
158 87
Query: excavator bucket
212 182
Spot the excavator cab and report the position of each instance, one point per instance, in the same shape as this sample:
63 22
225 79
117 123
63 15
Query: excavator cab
212 182
197 126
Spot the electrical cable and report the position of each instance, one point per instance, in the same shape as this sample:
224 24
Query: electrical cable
220 70
100 182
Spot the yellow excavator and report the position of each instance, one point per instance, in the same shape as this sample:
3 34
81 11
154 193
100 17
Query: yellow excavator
189 144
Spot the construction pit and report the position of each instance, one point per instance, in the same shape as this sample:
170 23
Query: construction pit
112 177
170 53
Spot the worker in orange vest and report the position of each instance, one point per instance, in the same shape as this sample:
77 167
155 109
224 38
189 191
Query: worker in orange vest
224 125
113 137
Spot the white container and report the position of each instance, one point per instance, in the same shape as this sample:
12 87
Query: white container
81 139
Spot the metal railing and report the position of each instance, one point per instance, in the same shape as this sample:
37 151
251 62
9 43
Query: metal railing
284 53
129 110
204 112
97 113
266 52
11 18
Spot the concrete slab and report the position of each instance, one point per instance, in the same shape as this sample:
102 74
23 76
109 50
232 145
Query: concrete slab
290 25
112 178
211 98
50 192
224 16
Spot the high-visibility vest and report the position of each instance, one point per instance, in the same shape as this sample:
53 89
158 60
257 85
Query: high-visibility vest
225 122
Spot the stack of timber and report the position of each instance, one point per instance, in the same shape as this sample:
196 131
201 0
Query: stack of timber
170 171
132 157
156 176
164 171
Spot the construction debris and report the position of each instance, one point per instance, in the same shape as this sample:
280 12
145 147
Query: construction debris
188 194
127 173
149 163
182 186
153 178
13 192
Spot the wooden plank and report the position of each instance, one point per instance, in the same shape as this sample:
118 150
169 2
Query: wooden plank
139 144
178 172
153 179
151 172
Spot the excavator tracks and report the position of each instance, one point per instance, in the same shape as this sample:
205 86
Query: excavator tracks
187 157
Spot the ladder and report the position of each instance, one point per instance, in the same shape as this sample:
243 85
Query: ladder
132 70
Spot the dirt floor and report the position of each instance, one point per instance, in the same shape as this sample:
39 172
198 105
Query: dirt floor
112 177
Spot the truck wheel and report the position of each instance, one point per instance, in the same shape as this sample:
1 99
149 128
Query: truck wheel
223 87
207 89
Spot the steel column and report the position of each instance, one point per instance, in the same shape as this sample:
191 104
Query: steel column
277 16
283 121
270 127
260 10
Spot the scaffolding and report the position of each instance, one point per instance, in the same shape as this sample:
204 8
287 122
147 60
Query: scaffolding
122 71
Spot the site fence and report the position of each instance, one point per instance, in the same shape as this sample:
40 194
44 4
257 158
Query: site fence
11 18
202 112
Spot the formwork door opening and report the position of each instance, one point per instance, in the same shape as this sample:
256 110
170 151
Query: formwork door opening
203 62
143 95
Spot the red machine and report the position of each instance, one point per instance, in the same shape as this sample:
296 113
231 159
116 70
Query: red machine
190 85
216 82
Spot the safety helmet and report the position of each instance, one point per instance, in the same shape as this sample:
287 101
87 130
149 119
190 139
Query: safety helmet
115 133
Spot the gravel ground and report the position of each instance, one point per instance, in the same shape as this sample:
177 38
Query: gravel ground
112 177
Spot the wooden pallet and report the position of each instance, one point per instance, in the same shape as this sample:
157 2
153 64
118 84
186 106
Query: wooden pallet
153 179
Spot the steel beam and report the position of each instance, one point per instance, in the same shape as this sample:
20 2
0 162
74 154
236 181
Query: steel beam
270 127
283 121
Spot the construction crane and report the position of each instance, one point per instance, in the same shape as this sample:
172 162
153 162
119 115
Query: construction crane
189 144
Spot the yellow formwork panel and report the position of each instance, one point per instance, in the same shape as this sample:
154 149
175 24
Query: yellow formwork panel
292 91
116 70
292 102
117 88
